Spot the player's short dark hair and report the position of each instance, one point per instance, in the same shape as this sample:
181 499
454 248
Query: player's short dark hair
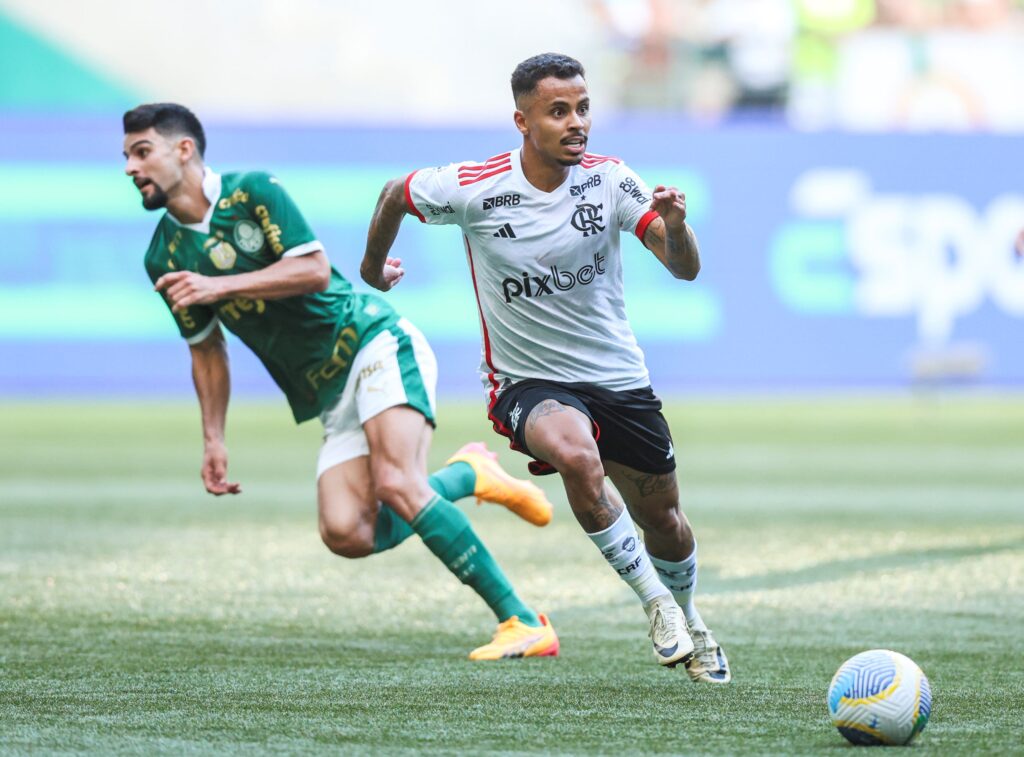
167 119
532 70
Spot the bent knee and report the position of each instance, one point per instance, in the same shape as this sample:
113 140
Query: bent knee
581 470
399 488
579 462
350 540
666 520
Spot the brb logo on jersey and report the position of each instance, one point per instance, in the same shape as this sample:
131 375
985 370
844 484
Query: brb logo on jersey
587 218
502 201
535 286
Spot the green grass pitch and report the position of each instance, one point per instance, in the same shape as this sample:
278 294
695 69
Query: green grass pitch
139 615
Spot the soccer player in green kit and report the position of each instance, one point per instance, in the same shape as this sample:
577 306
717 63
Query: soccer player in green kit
234 250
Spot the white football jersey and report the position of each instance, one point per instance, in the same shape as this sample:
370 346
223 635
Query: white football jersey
545 265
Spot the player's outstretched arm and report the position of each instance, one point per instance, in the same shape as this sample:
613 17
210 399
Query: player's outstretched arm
212 378
669 237
378 269
288 277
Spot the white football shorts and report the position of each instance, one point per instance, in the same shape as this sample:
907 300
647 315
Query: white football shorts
396 367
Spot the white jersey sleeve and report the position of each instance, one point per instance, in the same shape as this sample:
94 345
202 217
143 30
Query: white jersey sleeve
432 195
633 201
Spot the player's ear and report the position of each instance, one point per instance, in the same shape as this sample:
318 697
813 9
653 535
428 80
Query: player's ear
520 120
186 149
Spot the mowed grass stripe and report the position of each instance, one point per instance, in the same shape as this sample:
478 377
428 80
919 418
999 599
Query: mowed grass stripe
23 499
697 461
139 615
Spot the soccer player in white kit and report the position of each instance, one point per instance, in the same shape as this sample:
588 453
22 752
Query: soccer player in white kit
565 379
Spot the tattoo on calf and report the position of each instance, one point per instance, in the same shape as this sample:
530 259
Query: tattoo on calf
652 483
547 407
603 514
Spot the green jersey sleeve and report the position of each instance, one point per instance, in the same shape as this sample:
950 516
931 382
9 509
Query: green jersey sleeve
195 322
286 231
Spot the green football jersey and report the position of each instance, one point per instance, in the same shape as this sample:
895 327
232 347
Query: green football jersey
306 342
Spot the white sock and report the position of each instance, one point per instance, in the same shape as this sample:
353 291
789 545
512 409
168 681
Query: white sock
681 579
622 548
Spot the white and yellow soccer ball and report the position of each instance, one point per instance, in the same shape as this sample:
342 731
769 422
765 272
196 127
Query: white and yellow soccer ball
879 697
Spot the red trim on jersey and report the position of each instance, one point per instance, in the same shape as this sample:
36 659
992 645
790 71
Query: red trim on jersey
644 222
490 162
470 174
493 394
590 160
481 177
408 198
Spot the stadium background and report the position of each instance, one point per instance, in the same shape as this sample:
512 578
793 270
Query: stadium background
853 169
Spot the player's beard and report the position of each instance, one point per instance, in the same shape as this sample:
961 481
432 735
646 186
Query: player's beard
575 160
156 200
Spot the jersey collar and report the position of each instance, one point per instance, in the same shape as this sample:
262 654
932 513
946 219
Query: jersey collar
517 171
211 190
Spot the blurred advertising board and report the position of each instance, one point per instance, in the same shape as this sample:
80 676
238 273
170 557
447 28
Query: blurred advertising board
829 260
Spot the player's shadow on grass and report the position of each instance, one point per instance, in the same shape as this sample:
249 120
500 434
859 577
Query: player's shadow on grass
837 569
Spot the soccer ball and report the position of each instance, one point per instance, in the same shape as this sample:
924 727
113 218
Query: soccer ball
879 697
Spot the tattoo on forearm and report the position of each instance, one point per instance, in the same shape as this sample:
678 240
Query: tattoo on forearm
673 248
653 237
547 407
387 217
651 483
679 252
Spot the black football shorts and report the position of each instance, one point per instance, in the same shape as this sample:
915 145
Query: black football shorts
628 426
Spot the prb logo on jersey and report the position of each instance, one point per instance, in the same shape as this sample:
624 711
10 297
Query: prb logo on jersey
580 190
527 285
587 218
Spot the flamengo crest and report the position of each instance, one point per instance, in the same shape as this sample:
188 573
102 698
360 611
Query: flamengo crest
587 218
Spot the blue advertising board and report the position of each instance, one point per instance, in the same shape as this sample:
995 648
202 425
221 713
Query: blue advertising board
829 260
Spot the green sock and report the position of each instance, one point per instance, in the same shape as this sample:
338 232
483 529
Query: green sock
452 482
448 534
391 529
